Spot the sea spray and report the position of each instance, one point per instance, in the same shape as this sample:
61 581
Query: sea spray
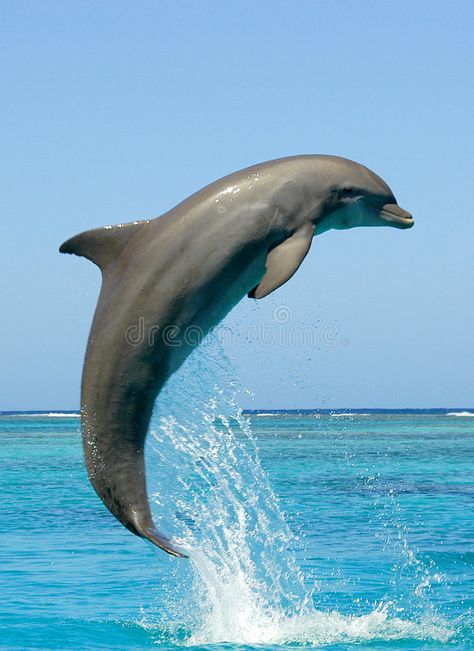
213 496
242 583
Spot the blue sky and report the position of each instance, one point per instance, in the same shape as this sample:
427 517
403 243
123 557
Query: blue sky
113 111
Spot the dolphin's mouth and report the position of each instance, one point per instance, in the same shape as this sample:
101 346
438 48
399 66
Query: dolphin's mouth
391 212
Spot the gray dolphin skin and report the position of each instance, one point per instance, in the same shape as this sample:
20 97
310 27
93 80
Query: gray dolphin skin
167 281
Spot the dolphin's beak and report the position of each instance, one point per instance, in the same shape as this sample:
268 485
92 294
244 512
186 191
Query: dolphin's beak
391 212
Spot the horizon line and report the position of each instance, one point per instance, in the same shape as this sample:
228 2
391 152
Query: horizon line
279 410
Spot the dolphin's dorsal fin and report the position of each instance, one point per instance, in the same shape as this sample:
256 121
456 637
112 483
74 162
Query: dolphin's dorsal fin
102 245
284 260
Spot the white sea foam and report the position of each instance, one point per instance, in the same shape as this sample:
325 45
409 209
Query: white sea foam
461 414
51 414
58 414
282 414
349 413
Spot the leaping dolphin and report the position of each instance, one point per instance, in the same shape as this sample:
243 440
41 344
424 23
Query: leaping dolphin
245 234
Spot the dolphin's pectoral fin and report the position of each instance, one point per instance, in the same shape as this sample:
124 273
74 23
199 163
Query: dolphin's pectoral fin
284 260
102 245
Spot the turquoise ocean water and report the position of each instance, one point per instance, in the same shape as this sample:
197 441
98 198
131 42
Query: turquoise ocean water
327 530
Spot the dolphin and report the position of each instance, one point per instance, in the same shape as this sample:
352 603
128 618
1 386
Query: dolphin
167 281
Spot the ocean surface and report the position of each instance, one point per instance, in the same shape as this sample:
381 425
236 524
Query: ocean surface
343 530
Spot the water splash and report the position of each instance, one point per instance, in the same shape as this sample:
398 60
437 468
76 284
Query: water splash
212 497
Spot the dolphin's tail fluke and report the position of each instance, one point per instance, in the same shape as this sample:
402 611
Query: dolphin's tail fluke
115 461
151 534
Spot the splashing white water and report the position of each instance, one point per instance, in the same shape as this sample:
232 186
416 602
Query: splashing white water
221 507
321 628
212 496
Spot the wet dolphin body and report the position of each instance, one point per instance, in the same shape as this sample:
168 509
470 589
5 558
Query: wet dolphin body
179 275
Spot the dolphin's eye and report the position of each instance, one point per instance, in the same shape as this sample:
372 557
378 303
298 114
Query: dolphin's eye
348 191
